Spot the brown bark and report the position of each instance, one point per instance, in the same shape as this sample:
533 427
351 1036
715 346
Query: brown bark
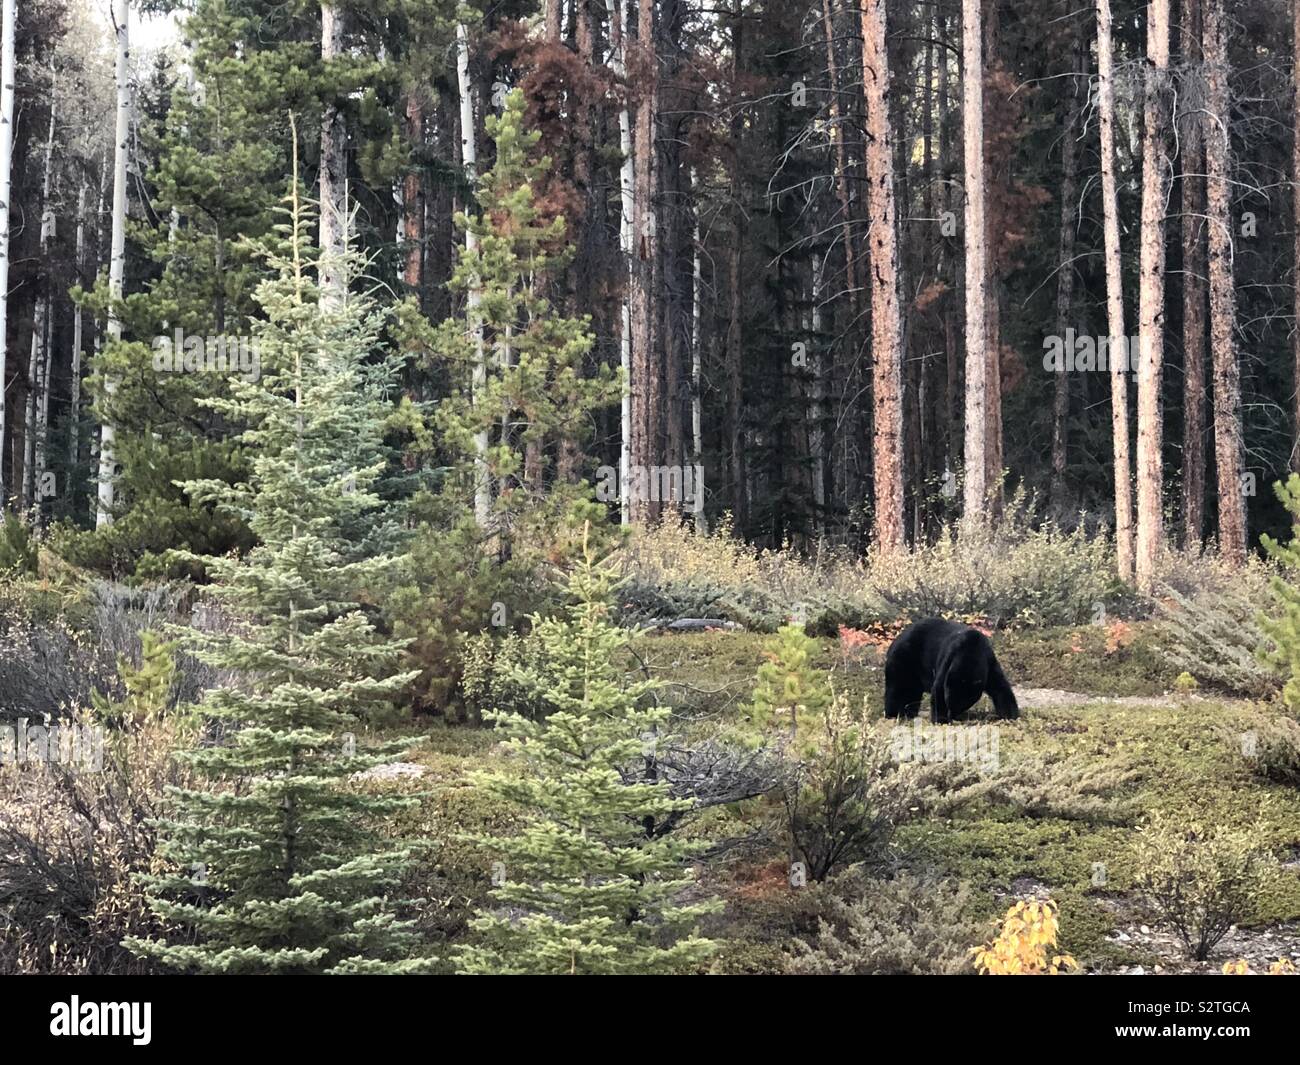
646 379
413 197
1227 374
1151 299
1114 296
886 322
1193 208
976 482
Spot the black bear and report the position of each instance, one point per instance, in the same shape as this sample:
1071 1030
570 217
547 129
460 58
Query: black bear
954 663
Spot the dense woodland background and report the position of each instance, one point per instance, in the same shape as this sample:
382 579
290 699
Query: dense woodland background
740 143
612 383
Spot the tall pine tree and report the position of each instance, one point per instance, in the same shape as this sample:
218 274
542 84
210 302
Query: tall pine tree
292 877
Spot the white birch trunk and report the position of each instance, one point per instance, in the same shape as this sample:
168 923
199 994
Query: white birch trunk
469 159
117 253
74 399
627 245
333 169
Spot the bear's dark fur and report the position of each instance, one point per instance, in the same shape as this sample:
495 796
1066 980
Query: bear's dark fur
954 663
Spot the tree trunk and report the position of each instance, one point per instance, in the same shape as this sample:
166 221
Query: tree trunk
1151 300
469 161
38 403
117 254
817 408
1119 369
333 166
627 198
886 322
1065 287
413 196
646 378
1227 375
976 484
1193 208
7 76
841 169
74 384
697 359
734 357
993 460
1295 192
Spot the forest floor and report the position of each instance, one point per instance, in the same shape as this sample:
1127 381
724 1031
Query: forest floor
1088 700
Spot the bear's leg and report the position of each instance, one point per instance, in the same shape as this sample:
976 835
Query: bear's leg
902 693
999 690
939 701
959 696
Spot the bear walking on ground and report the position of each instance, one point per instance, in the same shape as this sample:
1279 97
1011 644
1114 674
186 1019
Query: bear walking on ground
954 663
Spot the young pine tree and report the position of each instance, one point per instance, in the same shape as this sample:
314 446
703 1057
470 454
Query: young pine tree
148 687
277 864
788 687
1284 630
527 400
521 403
597 895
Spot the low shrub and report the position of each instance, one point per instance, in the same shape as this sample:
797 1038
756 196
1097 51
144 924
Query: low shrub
487 679
846 794
58 651
1269 744
18 553
72 841
908 924
460 581
1022 946
1021 570
674 573
75 835
1037 786
1213 633
1202 881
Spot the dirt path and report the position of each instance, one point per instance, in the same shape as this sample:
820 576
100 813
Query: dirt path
1042 698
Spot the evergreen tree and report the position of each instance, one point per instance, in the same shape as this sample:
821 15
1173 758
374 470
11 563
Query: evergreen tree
149 686
1284 630
528 402
293 876
213 173
534 398
787 682
598 895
